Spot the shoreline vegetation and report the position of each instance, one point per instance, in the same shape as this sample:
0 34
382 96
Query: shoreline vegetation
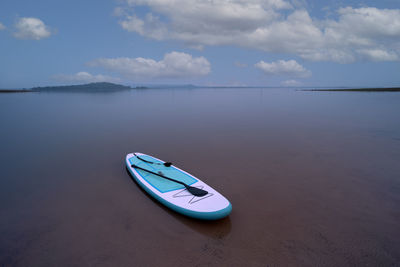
390 89
15 91
112 87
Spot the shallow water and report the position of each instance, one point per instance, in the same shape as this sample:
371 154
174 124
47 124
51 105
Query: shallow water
313 177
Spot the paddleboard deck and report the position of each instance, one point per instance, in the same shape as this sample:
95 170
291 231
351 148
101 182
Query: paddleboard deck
175 196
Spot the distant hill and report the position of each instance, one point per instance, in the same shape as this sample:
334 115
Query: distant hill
90 87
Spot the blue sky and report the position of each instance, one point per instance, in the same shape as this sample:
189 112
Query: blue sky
221 42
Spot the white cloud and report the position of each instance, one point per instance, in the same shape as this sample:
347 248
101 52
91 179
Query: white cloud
31 28
2 27
173 65
272 26
85 77
201 22
360 33
150 26
282 67
291 83
379 54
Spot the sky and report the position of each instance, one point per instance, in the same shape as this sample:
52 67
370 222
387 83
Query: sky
277 43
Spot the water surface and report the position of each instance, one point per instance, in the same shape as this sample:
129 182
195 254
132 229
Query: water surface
313 177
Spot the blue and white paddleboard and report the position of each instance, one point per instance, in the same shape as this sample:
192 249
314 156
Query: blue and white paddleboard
211 206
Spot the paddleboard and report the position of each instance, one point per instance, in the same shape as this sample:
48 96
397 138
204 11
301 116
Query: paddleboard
211 206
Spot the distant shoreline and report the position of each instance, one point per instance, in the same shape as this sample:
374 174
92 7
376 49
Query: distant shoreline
392 89
16 91
88 88
111 87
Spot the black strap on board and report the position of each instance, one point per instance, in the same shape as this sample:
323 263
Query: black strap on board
193 190
166 164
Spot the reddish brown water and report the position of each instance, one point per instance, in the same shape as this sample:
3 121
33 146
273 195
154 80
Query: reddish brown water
313 178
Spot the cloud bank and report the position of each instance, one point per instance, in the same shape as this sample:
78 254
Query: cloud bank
31 29
2 27
173 65
365 33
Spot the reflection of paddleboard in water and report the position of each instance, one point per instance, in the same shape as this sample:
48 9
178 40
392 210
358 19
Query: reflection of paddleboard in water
177 189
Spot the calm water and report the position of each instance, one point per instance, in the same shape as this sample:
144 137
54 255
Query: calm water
313 178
